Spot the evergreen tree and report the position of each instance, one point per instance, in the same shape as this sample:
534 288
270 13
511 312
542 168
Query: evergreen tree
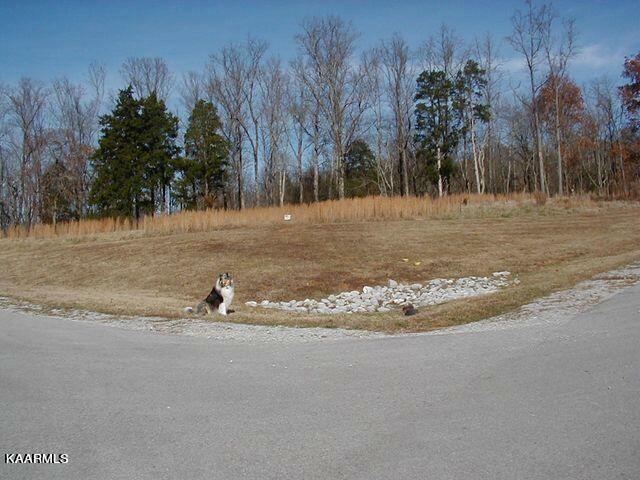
469 88
203 170
158 151
360 170
118 184
438 127
134 163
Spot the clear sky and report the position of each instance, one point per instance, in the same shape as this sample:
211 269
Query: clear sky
48 39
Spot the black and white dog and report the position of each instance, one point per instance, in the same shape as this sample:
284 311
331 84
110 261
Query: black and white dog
220 298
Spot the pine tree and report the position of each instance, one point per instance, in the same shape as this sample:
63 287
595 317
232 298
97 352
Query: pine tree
360 170
203 170
438 127
118 184
134 163
158 135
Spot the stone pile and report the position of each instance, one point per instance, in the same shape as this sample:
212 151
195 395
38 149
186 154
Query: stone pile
395 294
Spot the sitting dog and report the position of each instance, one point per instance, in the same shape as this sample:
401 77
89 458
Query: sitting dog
219 300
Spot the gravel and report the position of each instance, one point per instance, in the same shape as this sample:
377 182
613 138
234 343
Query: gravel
383 298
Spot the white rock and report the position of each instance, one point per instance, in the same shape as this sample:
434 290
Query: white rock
504 273
251 304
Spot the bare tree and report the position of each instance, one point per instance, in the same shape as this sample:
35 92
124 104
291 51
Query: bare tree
608 115
254 51
298 105
5 215
28 140
73 135
191 90
558 57
273 86
314 125
400 75
487 54
530 30
232 82
379 119
148 75
328 47
444 51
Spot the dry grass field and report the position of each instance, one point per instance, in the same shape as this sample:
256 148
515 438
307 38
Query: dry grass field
159 271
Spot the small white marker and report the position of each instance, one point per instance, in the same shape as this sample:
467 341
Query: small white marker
287 217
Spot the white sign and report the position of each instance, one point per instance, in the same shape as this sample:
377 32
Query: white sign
287 217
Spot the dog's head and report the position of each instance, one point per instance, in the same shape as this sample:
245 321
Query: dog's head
225 280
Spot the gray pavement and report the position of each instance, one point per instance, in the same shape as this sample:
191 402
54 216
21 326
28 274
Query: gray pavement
559 401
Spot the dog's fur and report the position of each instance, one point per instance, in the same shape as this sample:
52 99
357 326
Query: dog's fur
220 298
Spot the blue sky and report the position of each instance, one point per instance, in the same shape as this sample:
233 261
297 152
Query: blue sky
45 40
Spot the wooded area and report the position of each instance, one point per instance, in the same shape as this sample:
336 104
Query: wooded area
435 119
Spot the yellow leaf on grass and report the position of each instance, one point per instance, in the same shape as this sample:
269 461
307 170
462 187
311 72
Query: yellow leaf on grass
405 260
417 263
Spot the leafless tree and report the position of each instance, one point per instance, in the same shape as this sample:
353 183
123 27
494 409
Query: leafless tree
378 119
328 47
273 87
608 117
558 57
297 106
74 117
400 74
444 51
5 215
530 30
148 75
302 76
486 51
28 140
232 82
191 90
253 53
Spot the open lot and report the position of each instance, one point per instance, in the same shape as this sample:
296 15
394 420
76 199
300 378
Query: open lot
548 247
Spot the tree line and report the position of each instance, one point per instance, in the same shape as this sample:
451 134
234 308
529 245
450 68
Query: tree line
334 122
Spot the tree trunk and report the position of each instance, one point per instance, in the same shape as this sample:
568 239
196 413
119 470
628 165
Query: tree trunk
341 174
558 140
440 189
316 180
283 184
240 183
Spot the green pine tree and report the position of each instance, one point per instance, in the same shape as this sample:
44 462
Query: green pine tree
134 162
438 127
203 169
360 170
117 186
159 150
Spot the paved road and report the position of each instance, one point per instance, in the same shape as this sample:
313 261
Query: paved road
541 402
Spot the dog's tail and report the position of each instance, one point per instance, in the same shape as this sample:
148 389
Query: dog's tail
199 309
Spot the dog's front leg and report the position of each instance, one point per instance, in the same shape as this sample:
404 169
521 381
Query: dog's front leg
222 309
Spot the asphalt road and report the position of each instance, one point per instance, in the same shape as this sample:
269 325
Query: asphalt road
542 402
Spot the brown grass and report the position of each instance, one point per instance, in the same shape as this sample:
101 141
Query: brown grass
332 211
549 247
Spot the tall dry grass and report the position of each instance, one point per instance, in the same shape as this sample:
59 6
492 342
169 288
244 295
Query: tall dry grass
331 211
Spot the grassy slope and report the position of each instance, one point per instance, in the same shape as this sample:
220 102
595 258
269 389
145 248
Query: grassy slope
130 273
